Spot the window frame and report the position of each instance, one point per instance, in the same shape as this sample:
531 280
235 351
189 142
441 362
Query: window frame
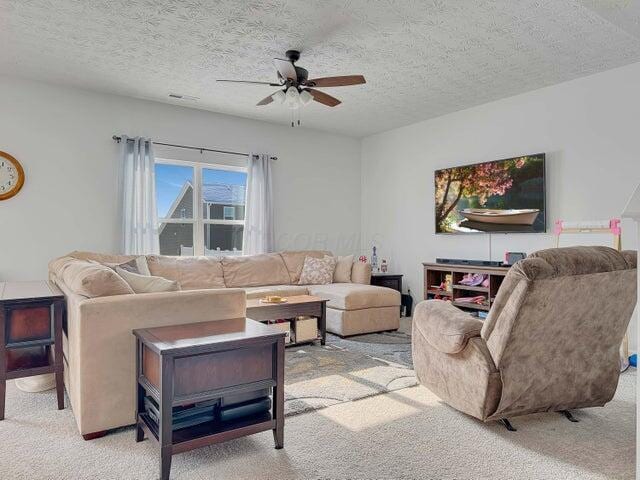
198 221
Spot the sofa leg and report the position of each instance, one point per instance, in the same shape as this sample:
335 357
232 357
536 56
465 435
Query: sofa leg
507 424
570 417
94 435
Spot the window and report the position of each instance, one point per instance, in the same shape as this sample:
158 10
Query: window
201 208
229 213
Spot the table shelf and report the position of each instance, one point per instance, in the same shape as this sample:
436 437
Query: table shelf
212 432
29 357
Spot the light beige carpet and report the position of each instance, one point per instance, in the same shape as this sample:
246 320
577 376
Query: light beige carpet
405 434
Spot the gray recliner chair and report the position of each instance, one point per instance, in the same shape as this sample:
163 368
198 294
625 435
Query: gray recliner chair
550 342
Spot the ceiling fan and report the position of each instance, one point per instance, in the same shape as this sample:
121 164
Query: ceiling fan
297 88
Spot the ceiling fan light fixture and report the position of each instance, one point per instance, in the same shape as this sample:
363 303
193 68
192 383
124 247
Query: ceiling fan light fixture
293 98
306 98
279 96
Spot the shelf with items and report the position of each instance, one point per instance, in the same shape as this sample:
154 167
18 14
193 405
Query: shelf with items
471 288
300 330
485 283
443 293
438 284
210 430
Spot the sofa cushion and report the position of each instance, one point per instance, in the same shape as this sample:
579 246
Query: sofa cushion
361 273
254 270
138 265
294 260
92 279
101 257
280 290
147 283
192 273
57 265
318 270
342 273
354 296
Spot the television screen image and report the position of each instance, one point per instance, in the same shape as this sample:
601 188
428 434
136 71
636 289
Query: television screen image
506 196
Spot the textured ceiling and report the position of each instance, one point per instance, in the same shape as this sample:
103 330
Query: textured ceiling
421 58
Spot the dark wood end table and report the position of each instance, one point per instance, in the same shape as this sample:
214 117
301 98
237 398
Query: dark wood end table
295 306
31 316
389 280
189 364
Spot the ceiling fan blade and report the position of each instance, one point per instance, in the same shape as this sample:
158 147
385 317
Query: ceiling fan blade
323 98
285 69
342 81
265 101
248 81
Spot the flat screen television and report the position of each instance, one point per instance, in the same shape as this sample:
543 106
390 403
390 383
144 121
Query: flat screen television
505 196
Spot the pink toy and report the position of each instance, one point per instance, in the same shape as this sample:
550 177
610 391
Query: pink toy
611 226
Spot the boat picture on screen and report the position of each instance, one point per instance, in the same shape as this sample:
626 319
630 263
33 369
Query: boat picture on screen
499 196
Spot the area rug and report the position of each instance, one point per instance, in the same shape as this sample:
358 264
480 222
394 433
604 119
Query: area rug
345 370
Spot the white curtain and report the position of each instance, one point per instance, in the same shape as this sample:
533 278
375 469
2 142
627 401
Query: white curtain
259 236
139 216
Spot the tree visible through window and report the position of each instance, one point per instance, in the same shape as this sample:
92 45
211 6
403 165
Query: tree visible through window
201 208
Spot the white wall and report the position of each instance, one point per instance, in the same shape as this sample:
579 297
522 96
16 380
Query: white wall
62 137
589 129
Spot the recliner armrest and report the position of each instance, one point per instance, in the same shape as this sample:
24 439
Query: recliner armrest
446 328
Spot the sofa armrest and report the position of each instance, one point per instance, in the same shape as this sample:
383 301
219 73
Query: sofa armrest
101 353
361 273
446 328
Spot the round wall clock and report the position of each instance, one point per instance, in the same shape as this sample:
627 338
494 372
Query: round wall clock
11 176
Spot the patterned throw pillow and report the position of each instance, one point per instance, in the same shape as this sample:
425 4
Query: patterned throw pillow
317 271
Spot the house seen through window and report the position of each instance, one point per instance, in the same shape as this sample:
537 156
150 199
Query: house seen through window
201 208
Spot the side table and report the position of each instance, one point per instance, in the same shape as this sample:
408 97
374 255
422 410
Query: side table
389 280
31 316
186 371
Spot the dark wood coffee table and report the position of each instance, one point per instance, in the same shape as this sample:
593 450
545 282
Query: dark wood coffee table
189 364
295 306
31 316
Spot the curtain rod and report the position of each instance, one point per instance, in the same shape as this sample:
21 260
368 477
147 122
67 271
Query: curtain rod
188 147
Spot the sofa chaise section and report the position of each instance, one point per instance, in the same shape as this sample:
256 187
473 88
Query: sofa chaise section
354 308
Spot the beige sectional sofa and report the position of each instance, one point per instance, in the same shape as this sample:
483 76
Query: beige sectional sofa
98 345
